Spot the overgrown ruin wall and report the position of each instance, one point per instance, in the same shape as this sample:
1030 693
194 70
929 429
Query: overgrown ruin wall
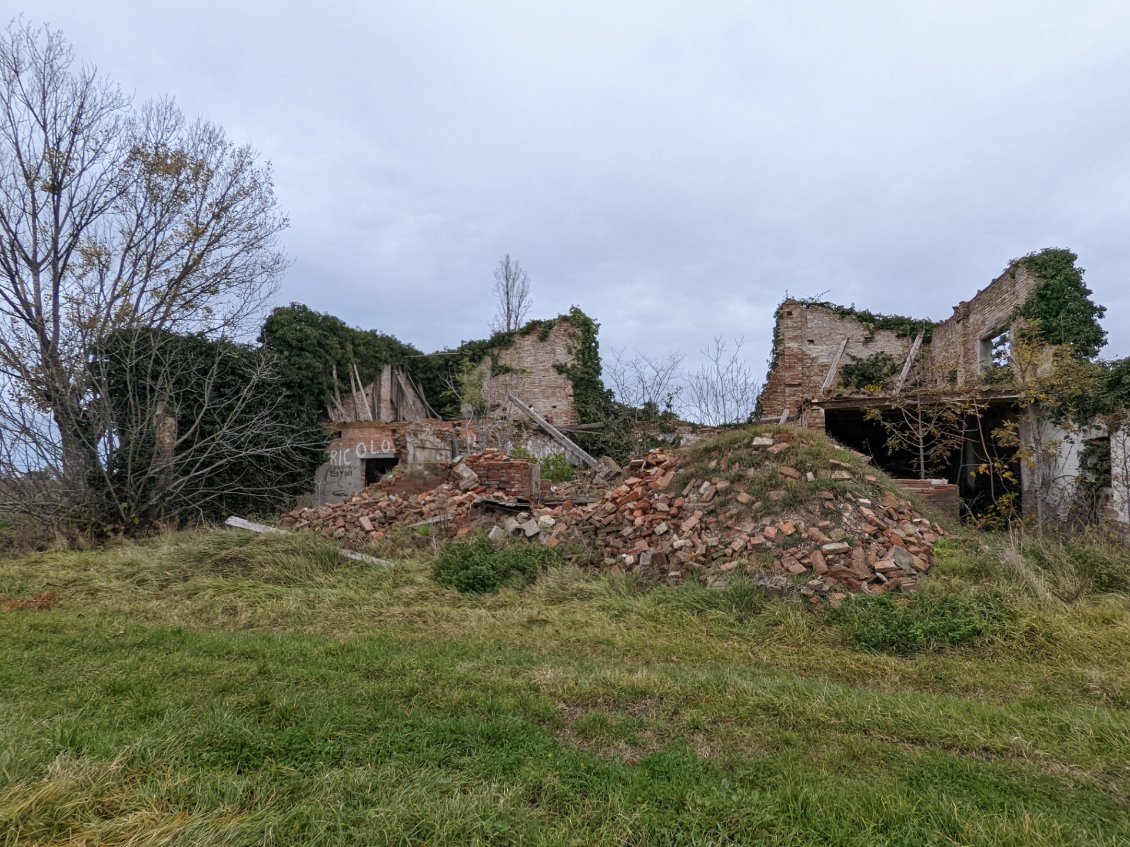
416 443
408 443
529 368
807 341
956 353
808 336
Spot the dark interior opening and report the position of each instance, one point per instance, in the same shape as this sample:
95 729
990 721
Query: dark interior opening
975 465
377 467
852 428
988 473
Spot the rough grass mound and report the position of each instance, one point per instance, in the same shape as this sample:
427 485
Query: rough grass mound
278 558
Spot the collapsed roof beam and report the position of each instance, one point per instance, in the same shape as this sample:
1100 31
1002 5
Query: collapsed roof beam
556 434
832 371
909 361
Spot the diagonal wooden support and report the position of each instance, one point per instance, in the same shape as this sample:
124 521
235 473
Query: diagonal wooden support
832 371
556 434
909 361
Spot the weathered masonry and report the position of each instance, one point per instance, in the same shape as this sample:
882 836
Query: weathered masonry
533 368
815 341
389 423
895 387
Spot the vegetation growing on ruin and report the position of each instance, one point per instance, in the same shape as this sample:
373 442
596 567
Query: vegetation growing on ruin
1060 310
311 344
556 468
901 326
870 372
590 398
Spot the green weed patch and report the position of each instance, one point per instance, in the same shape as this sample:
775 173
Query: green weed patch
922 623
478 565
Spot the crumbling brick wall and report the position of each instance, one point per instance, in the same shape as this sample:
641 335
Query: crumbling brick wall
529 368
515 477
808 338
957 352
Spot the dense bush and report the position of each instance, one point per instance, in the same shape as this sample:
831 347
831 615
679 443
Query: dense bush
556 468
1060 310
923 623
870 372
478 566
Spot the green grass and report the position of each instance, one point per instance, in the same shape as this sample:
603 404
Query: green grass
222 689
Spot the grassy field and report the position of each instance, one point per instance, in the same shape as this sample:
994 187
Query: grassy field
215 688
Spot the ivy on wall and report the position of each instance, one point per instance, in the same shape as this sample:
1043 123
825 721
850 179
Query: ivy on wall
901 326
1060 309
869 372
309 345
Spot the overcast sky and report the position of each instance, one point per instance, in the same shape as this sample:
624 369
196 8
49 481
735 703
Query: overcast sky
672 168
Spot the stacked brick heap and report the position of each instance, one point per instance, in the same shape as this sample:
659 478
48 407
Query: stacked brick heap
783 506
368 516
398 501
831 542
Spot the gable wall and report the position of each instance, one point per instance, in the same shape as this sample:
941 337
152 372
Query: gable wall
809 337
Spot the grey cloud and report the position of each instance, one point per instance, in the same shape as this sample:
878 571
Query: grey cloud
672 168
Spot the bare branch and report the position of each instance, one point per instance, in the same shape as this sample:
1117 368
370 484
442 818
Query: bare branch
512 290
724 389
112 219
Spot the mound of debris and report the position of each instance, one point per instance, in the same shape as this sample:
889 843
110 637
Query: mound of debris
440 495
786 506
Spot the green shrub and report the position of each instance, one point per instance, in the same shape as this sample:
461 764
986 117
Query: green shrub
925 622
478 566
870 372
556 468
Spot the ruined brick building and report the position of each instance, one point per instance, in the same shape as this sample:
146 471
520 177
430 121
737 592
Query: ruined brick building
390 423
823 353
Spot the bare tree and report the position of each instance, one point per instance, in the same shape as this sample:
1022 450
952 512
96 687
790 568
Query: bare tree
724 389
112 218
930 428
644 382
646 389
512 289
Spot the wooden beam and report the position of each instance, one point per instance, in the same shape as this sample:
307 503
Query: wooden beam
909 361
360 390
557 435
337 397
263 529
832 371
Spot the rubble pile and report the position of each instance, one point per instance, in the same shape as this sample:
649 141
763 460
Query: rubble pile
783 505
368 516
786 508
